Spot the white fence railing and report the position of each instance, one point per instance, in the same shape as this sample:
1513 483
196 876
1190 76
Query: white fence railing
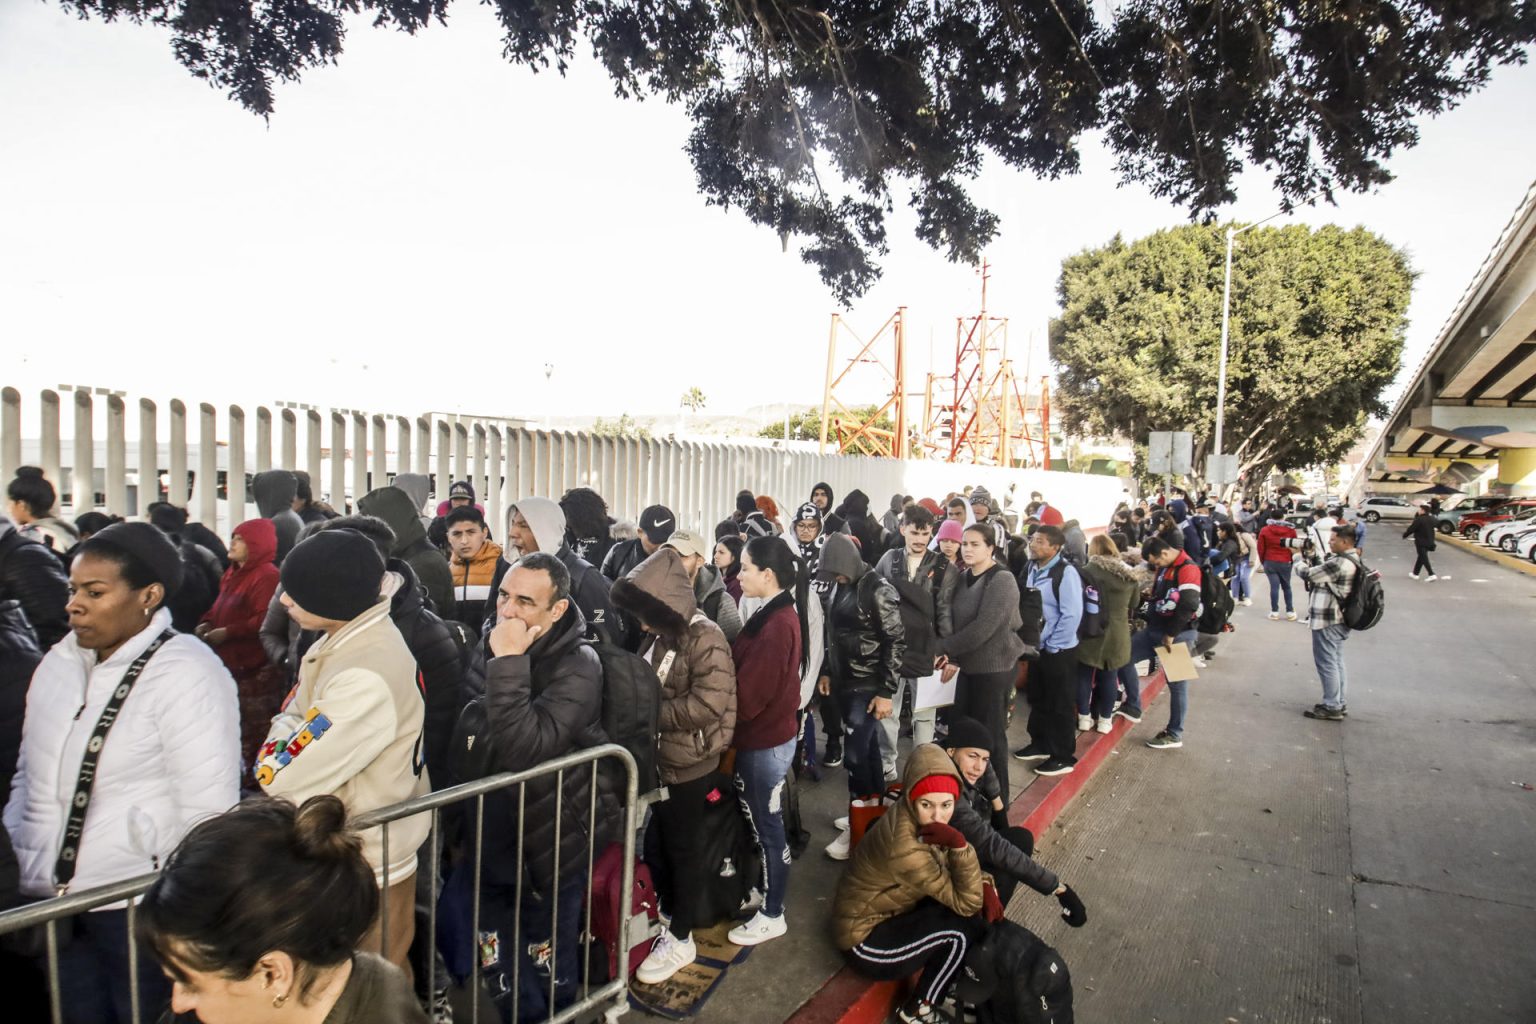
110 463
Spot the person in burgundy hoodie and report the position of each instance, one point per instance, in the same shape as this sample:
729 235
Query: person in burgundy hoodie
767 653
232 628
1275 552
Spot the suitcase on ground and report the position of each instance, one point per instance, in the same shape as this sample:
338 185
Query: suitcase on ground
609 916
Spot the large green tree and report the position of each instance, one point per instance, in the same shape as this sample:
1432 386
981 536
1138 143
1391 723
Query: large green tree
815 118
1317 329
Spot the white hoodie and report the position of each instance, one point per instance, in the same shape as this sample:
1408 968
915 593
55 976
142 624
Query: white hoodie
171 759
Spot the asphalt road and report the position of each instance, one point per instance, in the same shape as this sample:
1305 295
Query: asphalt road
1381 870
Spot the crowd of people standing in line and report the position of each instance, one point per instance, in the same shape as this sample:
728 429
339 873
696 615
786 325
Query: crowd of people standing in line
323 660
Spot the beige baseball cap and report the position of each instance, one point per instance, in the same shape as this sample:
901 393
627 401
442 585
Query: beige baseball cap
688 543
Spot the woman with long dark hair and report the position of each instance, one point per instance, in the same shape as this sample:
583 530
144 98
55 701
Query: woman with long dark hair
984 641
258 914
728 561
769 661
31 499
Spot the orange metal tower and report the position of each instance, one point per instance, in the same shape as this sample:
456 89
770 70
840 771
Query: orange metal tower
854 432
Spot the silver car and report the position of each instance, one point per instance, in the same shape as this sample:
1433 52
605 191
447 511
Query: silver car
1375 509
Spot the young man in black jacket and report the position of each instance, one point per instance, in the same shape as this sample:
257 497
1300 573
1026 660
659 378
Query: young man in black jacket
924 580
866 644
1422 529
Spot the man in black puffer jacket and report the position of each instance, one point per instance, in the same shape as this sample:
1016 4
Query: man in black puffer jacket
543 699
33 576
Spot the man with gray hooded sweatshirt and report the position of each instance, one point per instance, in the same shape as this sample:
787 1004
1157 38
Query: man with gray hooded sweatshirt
538 524
393 505
275 490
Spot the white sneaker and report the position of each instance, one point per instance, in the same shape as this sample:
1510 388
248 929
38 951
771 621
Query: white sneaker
1084 723
668 955
760 929
1247 602
1431 578
1413 576
1106 724
1198 662
1274 616
1290 616
841 847
840 823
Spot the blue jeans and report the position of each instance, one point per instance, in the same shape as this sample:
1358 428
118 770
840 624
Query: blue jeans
761 776
1242 580
1131 682
1279 574
861 743
536 956
1328 656
1143 645
1096 691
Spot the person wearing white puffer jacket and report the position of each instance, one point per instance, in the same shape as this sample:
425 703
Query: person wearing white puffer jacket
169 759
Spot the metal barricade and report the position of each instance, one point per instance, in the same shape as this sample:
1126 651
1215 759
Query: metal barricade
610 998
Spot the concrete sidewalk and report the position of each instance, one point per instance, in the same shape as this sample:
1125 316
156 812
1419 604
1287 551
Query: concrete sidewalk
1378 870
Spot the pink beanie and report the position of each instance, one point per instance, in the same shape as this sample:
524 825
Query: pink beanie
950 529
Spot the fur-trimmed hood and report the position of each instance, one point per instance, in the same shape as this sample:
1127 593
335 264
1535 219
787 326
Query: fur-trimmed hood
658 593
1114 566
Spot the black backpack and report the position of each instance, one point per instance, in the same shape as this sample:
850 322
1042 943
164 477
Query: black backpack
1216 602
631 713
199 588
1032 608
1367 600
731 862
1013 977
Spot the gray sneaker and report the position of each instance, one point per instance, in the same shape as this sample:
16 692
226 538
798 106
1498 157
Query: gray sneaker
1323 714
1165 741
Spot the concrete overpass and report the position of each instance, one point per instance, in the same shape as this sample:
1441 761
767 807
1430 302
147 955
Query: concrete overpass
1468 417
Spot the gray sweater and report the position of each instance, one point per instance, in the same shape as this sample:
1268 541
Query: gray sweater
985 613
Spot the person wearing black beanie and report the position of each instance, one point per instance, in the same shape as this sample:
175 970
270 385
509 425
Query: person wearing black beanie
352 726
335 577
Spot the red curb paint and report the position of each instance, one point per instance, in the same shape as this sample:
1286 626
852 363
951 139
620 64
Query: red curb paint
850 998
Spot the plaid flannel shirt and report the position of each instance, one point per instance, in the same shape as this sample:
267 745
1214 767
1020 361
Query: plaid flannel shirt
1332 579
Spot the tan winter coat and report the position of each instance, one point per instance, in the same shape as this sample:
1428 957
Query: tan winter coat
892 871
693 659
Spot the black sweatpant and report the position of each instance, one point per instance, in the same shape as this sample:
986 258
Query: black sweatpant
674 851
1423 560
984 697
1053 704
930 936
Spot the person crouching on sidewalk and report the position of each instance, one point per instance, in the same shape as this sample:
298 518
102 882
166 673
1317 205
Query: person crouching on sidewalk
914 897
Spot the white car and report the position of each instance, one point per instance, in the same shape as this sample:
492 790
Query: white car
1525 547
1495 534
1378 508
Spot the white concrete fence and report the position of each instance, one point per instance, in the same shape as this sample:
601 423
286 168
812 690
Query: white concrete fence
97 453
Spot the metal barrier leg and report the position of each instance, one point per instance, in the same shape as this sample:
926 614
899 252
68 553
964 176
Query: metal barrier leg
554 896
474 915
133 968
55 994
384 898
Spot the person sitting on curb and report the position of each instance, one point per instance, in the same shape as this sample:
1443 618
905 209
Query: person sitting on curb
1006 851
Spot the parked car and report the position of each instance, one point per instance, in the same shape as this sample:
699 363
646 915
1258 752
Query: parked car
1471 525
1449 518
1383 507
1500 534
1525 547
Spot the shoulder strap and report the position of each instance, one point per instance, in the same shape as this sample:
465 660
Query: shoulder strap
69 851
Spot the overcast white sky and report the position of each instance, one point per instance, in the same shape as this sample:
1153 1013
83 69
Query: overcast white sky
424 227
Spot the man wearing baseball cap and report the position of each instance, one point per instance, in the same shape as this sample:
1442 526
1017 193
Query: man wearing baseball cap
708 588
657 523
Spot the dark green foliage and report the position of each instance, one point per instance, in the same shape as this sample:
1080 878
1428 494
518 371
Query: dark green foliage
807 116
1316 335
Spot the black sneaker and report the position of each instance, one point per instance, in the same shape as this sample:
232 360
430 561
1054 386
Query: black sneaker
1324 707
1056 766
1165 741
1030 753
1130 714
833 756
1323 714
915 1011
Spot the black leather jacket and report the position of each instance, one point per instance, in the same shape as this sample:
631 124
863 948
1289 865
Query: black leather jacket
866 640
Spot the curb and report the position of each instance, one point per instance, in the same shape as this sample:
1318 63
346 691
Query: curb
1472 547
850 998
